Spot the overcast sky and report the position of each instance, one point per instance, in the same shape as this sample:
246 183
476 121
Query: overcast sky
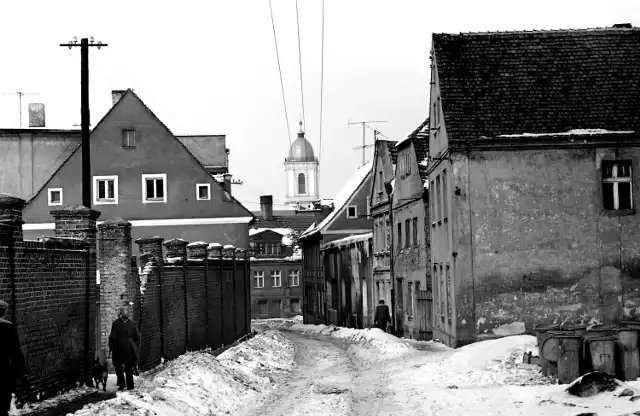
210 67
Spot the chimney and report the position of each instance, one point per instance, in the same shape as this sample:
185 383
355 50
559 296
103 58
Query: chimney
266 207
227 182
623 26
116 95
36 115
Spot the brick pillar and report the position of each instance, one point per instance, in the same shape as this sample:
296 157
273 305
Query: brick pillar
214 251
228 251
116 277
77 221
11 221
176 250
197 250
150 250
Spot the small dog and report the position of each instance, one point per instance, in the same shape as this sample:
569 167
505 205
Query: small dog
99 373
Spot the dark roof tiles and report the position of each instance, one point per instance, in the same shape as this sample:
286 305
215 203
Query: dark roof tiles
538 82
299 221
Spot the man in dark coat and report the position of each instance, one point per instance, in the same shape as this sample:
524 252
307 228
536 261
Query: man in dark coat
12 366
382 317
124 344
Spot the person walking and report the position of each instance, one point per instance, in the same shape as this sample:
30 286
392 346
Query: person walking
12 366
382 317
124 344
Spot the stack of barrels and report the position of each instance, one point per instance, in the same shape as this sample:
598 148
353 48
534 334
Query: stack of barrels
571 351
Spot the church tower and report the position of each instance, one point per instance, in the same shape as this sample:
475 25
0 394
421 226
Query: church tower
301 169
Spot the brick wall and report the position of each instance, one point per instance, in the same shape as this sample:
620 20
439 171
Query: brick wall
50 286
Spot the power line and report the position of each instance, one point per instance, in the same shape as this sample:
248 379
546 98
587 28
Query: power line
284 103
321 87
304 120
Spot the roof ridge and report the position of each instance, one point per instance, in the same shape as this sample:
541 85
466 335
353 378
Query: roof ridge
541 31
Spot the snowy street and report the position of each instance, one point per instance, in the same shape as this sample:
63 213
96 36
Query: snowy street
295 369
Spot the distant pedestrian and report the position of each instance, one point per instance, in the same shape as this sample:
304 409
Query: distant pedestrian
124 344
382 317
12 366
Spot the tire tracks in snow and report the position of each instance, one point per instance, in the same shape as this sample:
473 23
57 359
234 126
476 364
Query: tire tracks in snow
329 379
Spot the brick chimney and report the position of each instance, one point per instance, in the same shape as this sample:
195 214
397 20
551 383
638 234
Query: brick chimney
116 95
227 182
266 207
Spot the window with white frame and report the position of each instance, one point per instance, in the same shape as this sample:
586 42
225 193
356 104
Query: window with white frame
154 188
258 279
203 191
294 278
276 278
105 190
352 211
55 196
617 191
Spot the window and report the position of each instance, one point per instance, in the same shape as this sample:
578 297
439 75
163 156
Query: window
272 248
415 231
276 278
445 204
407 233
295 305
128 138
263 307
617 191
203 192
399 234
439 198
55 196
294 278
105 190
302 184
407 164
258 279
352 211
154 188
381 185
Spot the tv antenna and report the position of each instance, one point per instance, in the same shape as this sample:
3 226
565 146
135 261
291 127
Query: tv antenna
20 94
364 129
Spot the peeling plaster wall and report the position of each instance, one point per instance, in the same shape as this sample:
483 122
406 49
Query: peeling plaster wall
543 249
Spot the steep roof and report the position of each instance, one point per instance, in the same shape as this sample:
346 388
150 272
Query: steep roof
299 221
420 139
209 150
352 185
538 82
130 91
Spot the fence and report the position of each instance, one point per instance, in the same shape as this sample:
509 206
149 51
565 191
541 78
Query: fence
50 287
198 297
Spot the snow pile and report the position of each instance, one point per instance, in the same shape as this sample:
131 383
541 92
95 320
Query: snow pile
574 132
198 383
386 344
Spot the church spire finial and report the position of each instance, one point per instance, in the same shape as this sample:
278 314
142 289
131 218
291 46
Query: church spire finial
300 131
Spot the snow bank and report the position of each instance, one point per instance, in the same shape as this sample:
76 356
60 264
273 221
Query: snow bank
484 354
387 344
198 383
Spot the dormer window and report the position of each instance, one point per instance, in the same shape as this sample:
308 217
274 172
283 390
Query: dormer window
352 211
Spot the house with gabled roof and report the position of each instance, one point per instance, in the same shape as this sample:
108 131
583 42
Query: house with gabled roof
350 216
411 244
145 174
534 180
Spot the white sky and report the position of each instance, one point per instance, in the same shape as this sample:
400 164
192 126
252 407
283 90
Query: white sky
210 67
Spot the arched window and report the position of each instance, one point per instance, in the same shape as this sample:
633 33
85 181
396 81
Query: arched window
302 184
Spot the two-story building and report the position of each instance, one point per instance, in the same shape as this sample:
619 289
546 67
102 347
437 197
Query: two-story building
276 260
142 172
349 217
534 170
411 243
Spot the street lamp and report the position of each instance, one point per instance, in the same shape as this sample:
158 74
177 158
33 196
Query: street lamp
388 187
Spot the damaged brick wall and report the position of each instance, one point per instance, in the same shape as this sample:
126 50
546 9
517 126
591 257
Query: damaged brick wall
50 286
544 249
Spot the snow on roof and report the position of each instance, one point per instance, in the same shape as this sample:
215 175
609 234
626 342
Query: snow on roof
575 132
352 184
281 231
347 240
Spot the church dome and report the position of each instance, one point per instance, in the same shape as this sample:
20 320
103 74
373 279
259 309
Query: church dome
301 150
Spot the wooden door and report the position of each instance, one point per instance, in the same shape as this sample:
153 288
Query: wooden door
424 329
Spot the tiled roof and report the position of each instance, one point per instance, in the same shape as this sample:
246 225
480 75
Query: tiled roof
538 82
299 221
420 138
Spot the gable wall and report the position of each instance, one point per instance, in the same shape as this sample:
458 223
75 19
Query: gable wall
341 222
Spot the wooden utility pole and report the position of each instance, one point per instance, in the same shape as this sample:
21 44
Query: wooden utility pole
20 94
85 121
364 127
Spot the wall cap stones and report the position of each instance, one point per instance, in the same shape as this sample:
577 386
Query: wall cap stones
228 247
75 211
147 240
197 244
176 242
116 222
10 201
214 246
